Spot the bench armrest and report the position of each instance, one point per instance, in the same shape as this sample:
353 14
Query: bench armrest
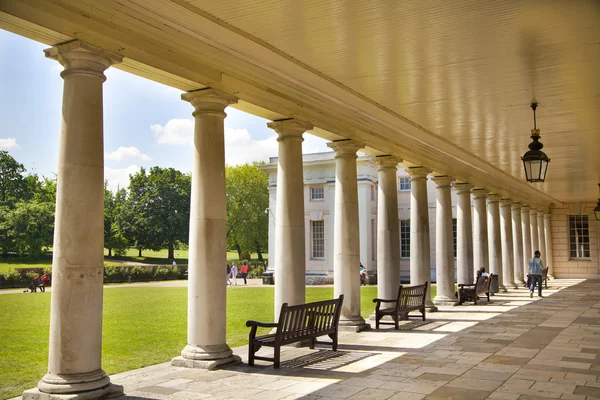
385 300
261 324
461 285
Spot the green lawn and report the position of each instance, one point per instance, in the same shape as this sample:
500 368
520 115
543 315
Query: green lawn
142 326
148 257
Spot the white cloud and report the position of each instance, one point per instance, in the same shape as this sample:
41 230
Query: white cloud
119 178
240 147
176 131
8 144
124 153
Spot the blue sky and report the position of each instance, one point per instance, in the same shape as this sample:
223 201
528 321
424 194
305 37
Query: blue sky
145 123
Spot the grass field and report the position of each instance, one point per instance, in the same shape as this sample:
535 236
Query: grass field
142 326
148 257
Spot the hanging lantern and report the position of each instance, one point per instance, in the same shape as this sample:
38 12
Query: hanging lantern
535 161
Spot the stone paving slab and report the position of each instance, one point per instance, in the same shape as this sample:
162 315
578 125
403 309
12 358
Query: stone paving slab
512 348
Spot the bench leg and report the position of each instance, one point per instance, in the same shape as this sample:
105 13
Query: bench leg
395 318
251 353
312 343
423 312
377 317
276 356
334 340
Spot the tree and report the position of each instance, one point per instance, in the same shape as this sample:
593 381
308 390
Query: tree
247 201
30 226
13 188
113 237
160 207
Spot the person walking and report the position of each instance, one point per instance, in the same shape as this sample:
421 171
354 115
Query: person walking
228 275
535 273
244 271
234 271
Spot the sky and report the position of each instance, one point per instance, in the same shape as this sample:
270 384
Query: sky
145 123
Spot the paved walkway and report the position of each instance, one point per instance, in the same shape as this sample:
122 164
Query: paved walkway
513 348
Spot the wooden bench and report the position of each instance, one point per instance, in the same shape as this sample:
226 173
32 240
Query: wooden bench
479 288
297 323
410 298
545 277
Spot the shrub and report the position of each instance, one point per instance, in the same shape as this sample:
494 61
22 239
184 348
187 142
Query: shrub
13 277
256 272
30 275
48 271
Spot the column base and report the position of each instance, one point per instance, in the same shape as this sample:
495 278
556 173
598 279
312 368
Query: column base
430 306
502 289
445 301
205 357
512 285
108 392
354 323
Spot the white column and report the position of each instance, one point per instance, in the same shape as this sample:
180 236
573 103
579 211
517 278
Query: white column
480 238
542 236
420 261
517 231
388 232
548 237
535 243
346 245
527 252
444 261
506 235
75 349
494 239
290 256
207 296
464 234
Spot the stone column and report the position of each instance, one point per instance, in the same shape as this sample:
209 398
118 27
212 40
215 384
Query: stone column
75 349
542 236
535 243
346 246
506 235
494 239
444 261
548 237
207 296
480 238
290 257
517 231
527 252
464 234
388 235
420 262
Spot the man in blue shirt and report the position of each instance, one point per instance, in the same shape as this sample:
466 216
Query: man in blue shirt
535 273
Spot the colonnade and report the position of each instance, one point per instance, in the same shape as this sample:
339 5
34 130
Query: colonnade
485 236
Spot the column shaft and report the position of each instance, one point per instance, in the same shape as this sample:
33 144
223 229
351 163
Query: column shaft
542 237
517 230
535 243
207 296
420 262
480 238
494 239
346 244
290 257
464 234
548 237
506 234
75 349
388 236
444 262
527 251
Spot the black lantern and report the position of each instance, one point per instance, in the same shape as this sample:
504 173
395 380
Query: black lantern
597 209
535 160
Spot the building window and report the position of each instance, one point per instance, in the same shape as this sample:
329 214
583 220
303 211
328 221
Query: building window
317 193
405 238
579 236
404 184
318 239
373 240
454 235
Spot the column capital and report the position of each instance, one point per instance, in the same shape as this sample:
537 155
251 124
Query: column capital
209 101
289 129
506 202
83 58
418 172
525 208
533 210
463 187
516 205
442 181
479 193
492 198
345 148
547 216
387 162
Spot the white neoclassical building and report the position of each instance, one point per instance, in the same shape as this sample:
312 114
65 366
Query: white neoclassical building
441 88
